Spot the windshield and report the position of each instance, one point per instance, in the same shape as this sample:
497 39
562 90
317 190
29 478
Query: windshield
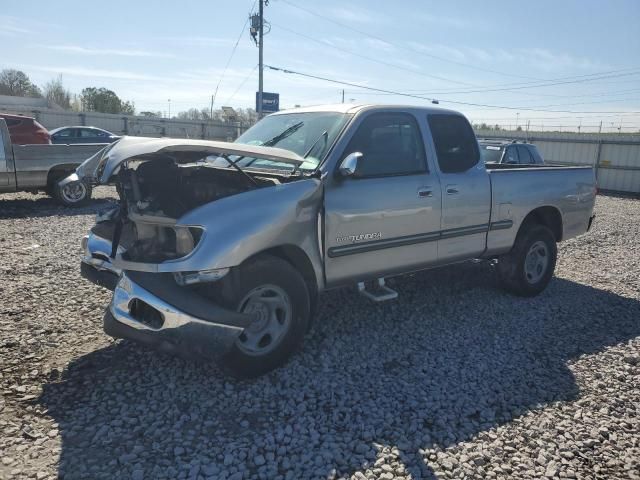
490 153
310 135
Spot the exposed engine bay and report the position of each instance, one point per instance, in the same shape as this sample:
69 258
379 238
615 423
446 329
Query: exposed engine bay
157 189
169 187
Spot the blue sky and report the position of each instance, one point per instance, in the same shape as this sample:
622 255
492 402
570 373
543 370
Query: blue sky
457 51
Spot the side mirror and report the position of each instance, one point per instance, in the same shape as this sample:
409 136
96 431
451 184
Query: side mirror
350 164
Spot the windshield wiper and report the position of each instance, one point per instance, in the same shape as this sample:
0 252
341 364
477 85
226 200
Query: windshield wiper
272 141
324 135
281 136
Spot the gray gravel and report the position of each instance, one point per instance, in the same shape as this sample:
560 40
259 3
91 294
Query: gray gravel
455 380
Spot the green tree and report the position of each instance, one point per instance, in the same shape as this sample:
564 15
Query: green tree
17 83
105 101
128 108
55 92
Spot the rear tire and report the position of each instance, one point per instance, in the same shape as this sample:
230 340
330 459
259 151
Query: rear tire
276 293
527 269
73 194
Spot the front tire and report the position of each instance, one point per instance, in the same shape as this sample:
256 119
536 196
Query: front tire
527 269
73 194
276 294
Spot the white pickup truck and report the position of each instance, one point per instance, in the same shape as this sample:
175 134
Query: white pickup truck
44 167
222 249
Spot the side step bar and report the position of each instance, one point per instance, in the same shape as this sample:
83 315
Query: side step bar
381 293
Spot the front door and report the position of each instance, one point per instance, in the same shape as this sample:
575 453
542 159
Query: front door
386 217
466 189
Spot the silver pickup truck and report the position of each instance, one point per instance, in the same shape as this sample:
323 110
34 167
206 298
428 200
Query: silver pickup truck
222 249
34 168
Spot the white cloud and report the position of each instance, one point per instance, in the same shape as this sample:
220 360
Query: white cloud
12 26
107 51
199 41
539 58
346 14
453 22
91 72
547 60
440 50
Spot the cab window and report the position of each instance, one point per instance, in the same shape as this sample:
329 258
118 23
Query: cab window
511 156
391 144
525 156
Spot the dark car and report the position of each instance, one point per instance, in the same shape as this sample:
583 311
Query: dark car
82 134
25 130
510 152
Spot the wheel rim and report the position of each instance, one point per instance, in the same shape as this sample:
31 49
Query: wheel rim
271 308
74 192
536 262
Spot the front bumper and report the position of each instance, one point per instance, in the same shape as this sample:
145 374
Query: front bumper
95 264
181 322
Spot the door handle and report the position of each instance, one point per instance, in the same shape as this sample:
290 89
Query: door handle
452 189
425 192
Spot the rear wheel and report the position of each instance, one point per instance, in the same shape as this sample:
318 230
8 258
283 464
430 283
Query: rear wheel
72 194
527 269
275 293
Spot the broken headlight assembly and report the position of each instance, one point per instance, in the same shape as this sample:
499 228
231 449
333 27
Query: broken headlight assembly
159 243
202 276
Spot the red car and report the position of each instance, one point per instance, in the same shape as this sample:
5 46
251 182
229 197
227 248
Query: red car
25 130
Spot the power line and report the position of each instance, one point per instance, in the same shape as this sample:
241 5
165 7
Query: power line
548 84
233 51
596 94
242 84
376 60
361 32
521 85
420 97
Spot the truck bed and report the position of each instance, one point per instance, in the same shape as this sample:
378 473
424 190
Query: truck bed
516 190
32 162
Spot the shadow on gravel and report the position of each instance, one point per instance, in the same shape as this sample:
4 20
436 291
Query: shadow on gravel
47 207
438 367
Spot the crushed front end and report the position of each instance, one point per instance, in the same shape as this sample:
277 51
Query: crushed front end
147 248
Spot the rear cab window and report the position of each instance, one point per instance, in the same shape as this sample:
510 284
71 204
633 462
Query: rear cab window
491 153
455 142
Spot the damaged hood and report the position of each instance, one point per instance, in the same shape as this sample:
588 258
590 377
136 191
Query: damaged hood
100 167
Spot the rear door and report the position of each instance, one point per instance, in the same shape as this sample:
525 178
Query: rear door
466 191
385 218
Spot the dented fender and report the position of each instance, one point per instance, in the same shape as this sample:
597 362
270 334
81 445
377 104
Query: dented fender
243 225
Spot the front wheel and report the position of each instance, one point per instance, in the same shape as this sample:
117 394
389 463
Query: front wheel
527 269
72 194
275 293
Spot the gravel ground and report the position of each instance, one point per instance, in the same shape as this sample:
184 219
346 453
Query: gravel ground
455 380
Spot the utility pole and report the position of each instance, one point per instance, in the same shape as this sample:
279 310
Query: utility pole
343 95
211 109
260 53
169 102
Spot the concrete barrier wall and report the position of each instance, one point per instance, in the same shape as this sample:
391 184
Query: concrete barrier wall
133 125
